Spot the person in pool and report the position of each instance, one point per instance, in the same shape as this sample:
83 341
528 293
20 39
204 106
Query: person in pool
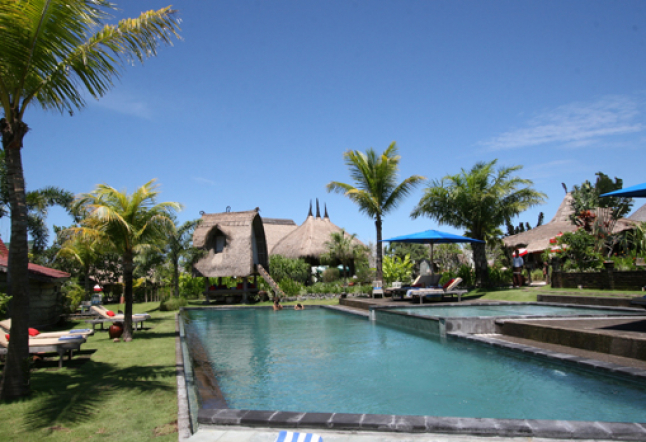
277 305
299 307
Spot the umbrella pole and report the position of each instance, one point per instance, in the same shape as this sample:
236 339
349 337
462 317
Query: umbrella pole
432 266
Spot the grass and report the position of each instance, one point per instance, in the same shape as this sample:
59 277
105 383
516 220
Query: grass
108 391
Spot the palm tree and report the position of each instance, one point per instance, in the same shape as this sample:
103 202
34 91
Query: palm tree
85 250
53 53
130 224
479 201
342 248
179 242
375 189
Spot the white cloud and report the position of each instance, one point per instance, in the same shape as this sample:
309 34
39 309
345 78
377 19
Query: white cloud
125 104
576 125
204 180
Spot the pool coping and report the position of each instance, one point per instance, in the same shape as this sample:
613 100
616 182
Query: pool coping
438 424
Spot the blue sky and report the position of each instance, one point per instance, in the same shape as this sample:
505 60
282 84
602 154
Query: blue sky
256 104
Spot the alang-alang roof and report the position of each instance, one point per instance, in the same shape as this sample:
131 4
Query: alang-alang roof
308 240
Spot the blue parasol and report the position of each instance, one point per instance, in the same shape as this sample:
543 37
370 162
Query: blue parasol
638 191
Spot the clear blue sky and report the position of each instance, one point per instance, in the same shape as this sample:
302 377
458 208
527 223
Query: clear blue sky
258 102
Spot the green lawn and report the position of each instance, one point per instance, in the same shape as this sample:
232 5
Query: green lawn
119 391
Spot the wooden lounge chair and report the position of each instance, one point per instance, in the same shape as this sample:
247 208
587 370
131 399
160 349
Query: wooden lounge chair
451 289
60 345
5 327
103 317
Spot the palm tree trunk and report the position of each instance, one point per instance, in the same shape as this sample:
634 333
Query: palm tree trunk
15 378
379 250
127 279
88 295
176 278
480 260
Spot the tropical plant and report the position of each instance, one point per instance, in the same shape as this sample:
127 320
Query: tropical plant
479 200
577 249
291 287
4 302
51 57
331 274
85 251
281 267
72 295
375 188
179 242
342 248
130 224
397 269
447 256
416 252
585 199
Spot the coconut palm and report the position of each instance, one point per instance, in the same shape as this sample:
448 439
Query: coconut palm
130 224
179 246
480 201
84 250
55 53
375 188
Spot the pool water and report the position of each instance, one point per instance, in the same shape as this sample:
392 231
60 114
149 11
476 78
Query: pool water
510 310
322 361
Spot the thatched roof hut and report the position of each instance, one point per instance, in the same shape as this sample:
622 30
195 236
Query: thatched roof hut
276 229
639 216
538 238
308 240
235 242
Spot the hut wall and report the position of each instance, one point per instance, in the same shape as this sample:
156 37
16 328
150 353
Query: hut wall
45 302
607 279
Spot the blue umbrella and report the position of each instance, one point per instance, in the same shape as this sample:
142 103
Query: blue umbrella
432 237
638 191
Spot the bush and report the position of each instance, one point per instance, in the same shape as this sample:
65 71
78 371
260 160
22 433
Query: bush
330 275
468 275
4 301
366 274
499 277
291 287
294 269
172 304
73 294
537 275
325 287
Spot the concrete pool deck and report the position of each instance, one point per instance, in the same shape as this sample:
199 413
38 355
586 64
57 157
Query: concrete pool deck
241 434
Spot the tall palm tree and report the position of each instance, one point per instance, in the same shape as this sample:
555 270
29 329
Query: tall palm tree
480 201
179 240
130 224
375 188
53 53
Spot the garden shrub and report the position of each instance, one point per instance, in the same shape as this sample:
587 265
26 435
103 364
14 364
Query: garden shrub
291 287
330 275
281 267
4 301
468 276
325 287
73 294
500 277
172 304
537 275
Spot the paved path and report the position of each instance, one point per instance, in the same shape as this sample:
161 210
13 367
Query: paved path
227 434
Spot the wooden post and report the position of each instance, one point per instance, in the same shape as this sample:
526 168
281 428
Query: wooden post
245 294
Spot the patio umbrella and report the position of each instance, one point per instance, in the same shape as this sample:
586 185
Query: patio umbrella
432 237
638 191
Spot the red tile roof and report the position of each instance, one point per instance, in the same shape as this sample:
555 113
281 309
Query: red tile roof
34 269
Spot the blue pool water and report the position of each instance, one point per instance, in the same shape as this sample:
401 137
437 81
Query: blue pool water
509 310
319 360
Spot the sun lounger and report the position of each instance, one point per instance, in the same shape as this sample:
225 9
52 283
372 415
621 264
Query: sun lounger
292 436
5 327
64 344
422 293
103 317
377 289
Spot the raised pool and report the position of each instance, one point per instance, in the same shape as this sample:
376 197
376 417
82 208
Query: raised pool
467 311
319 360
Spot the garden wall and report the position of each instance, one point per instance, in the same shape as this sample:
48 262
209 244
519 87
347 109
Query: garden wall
606 279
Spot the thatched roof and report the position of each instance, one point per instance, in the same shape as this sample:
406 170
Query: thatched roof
639 215
276 229
243 238
538 238
308 240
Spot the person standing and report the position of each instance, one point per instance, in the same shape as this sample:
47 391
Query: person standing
517 268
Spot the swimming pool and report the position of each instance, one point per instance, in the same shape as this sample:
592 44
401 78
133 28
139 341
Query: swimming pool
322 361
